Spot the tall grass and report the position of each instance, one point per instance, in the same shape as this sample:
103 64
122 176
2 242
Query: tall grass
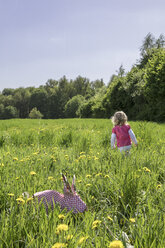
125 194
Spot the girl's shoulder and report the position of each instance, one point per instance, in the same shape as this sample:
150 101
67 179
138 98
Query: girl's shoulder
127 126
115 128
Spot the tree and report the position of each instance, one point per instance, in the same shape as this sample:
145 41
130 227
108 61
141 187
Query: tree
21 100
2 111
121 71
73 105
154 88
39 100
10 112
148 46
160 43
8 91
82 87
35 114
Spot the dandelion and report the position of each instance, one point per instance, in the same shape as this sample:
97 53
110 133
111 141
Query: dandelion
10 194
132 220
22 160
50 178
116 244
81 240
62 227
82 156
88 176
20 200
96 223
146 169
35 153
17 178
61 216
29 199
88 185
59 245
109 218
69 237
82 153
106 176
32 173
99 174
2 164
15 159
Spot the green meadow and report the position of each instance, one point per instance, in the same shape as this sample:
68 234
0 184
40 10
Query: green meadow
125 196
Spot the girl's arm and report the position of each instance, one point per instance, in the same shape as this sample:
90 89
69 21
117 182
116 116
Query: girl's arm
113 139
132 136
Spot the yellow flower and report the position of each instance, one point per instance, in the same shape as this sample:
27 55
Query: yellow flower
99 174
81 240
32 173
88 176
69 237
35 153
10 194
106 176
132 220
62 227
88 185
29 199
109 218
16 159
82 153
2 164
59 245
61 216
22 160
116 244
82 156
20 200
17 178
159 186
146 169
50 178
96 223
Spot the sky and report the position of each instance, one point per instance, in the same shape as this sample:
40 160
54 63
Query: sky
47 39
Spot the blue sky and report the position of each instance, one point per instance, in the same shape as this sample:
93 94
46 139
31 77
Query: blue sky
43 39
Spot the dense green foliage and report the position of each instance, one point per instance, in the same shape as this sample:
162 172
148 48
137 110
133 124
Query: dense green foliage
140 92
124 195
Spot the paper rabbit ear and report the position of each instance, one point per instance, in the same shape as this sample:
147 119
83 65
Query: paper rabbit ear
73 184
66 184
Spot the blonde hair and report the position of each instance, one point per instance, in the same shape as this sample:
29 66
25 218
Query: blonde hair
119 118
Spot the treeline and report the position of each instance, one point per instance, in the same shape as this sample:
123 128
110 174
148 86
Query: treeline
139 92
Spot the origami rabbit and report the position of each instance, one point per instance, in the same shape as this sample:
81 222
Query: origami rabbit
69 200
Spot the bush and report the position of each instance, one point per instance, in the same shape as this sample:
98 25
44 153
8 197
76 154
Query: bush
10 112
35 114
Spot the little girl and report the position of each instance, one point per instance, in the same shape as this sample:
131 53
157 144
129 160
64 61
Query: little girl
122 132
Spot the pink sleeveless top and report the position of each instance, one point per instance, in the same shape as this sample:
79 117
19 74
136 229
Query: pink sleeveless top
122 135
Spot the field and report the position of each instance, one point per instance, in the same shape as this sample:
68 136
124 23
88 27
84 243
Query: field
125 195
